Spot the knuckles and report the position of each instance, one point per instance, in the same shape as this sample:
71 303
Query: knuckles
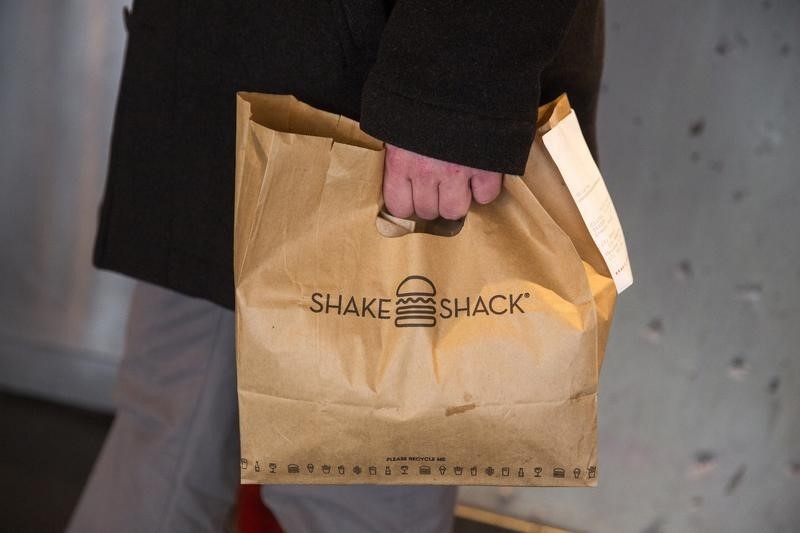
400 211
426 214
451 213
426 172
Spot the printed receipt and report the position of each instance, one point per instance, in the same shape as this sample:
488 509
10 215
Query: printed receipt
571 155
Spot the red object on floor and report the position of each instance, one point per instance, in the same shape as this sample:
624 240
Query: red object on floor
254 517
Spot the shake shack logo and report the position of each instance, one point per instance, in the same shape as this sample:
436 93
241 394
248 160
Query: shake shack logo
415 304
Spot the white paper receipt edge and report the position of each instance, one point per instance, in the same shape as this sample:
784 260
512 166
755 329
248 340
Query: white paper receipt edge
571 155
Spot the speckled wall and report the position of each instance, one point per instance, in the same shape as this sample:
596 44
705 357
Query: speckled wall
700 390
700 397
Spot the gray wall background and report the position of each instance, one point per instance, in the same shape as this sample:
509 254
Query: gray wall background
700 390
60 320
700 403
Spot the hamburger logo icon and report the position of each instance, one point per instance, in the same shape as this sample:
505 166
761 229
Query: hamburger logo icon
415 305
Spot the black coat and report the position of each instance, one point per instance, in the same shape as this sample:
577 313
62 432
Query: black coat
454 80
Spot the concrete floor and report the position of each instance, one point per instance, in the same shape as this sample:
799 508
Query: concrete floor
46 453
699 145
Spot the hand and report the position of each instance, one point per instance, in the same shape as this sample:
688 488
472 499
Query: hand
414 183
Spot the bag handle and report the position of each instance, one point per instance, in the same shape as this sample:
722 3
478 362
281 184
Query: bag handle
326 188
357 194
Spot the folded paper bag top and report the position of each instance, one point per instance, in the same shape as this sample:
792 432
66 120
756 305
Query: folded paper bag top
418 359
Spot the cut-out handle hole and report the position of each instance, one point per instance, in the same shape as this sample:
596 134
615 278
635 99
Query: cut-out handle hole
391 226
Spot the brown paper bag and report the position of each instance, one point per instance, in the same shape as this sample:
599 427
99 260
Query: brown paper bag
471 359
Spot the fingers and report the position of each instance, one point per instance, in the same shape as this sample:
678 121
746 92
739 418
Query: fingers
397 192
425 190
414 183
454 196
486 186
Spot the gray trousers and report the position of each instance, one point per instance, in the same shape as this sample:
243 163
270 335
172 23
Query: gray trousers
170 463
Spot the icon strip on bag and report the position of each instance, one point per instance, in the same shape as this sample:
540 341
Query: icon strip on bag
443 469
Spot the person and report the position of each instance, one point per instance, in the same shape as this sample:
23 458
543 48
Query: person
452 88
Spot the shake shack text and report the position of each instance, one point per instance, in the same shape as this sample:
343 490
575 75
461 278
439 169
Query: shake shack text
415 305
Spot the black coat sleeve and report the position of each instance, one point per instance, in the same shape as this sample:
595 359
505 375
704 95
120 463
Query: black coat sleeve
458 80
